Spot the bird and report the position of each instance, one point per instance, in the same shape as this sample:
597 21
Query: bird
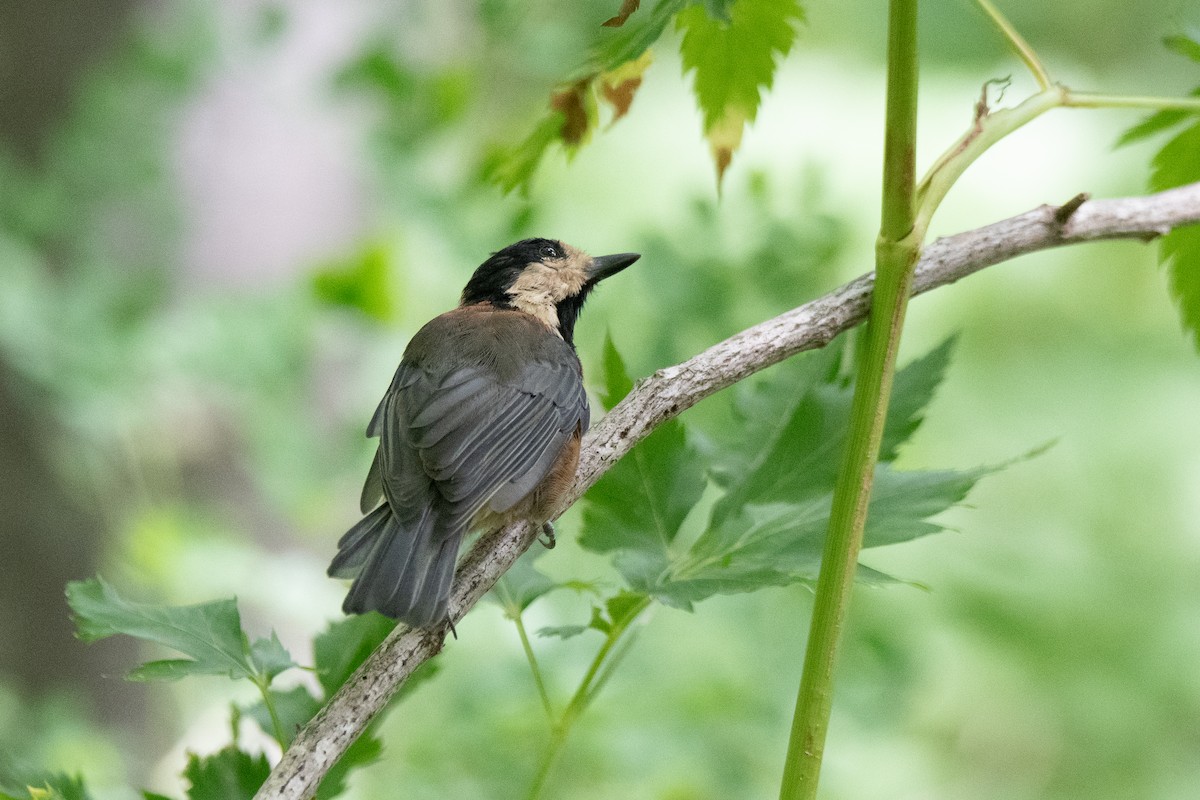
479 428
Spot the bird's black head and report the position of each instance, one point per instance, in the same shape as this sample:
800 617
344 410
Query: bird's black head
543 277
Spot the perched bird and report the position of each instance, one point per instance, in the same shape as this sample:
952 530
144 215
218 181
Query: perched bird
479 428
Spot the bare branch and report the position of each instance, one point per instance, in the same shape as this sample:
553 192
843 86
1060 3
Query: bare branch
667 393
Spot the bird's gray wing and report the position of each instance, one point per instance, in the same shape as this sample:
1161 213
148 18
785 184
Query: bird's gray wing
372 491
480 441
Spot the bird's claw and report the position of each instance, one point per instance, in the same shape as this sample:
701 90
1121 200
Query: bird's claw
547 538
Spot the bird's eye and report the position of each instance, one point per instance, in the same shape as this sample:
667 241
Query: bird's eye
549 251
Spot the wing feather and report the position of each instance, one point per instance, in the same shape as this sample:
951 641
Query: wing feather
475 436
474 431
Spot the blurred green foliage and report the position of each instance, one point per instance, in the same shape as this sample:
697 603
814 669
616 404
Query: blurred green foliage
217 430
41 786
362 283
227 774
775 464
1176 164
211 635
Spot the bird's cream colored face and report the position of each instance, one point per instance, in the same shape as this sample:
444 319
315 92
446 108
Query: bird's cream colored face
543 284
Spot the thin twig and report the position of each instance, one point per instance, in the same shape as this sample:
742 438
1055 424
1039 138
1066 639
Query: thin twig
669 392
1068 209
1026 53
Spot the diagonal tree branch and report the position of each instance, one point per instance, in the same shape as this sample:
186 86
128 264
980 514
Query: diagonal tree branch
670 391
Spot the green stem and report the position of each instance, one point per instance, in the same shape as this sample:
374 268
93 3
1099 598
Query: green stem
989 128
895 258
265 690
1018 43
558 737
907 211
533 666
619 626
900 132
615 657
1076 99
593 679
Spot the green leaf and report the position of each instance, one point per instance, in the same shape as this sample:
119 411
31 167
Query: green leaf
377 68
342 647
769 545
362 282
562 631
904 502
228 774
513 167
618 610
778 466
171 669
734 59
520 586
641 502
151 796
1176 164
762 410
598 622
796 451
570 122
719 9
1158 121
210 634
616 62
1180 250
1189 47
782 543
1186 46
794 427
617 382
620 45
44 786
269 657
623 606
912 391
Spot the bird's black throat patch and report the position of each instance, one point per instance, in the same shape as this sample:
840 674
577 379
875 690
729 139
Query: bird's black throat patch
568 313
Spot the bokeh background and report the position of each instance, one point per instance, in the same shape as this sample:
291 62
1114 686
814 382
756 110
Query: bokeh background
221 221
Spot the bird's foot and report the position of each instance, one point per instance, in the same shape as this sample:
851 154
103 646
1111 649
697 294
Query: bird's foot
547 538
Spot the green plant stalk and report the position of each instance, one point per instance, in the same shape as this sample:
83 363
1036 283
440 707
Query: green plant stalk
558 737
264 688
1074 99
987 130
994 126
896 256
1026 53
589 686
533 665
906 216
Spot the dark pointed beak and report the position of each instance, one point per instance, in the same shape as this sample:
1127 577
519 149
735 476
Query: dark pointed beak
604 266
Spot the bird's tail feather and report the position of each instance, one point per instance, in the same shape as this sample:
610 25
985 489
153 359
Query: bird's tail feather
401 571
